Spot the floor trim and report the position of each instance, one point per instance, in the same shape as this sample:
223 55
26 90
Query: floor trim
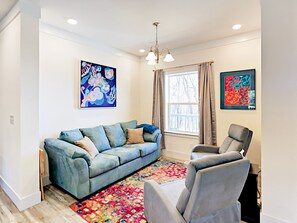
21 203
176 155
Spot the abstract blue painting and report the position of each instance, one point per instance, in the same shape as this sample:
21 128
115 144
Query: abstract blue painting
97 85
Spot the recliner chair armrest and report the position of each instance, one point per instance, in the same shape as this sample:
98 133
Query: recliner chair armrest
205 148
157 207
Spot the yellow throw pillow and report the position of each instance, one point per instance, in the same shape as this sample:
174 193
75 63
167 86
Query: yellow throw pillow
87 145
135 136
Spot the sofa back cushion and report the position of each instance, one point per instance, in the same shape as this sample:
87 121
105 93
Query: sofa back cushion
97 136
128 125
71 135
115 135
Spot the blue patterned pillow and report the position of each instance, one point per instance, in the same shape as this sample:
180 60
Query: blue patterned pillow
97 136
71 135
148 128
115 135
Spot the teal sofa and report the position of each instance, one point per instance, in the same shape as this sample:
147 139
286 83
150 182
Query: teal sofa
72 168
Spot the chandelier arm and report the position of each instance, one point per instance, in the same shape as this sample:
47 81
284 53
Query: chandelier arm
155 53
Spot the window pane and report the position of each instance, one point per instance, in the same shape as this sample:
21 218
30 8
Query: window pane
183 88
182 101
183 118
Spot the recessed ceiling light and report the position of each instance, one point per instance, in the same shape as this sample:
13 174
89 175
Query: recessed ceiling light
142 50
236 27
72 21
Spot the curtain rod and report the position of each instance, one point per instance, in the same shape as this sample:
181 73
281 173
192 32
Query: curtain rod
211 62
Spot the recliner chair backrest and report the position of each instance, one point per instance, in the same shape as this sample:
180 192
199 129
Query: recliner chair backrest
212 184
238 139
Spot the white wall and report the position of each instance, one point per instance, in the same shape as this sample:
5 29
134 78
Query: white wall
228 54
59 86
19 56
10 103
279 122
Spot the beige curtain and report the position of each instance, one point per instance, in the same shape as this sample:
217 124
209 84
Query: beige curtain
159 102
207 119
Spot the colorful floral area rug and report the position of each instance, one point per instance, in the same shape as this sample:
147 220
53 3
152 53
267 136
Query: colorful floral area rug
123 202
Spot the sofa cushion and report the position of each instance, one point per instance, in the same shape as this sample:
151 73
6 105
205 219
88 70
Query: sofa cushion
98 137
145 148
128 125
103 163
71 135
115 135
87 145
134 136
124 154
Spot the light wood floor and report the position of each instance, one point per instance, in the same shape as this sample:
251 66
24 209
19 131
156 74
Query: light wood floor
54 209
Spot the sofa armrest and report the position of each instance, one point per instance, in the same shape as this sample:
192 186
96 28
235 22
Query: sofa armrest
205 148
66 149
157 207
151 137
68 167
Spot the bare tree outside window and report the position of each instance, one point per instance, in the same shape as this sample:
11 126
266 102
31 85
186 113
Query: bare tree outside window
182 114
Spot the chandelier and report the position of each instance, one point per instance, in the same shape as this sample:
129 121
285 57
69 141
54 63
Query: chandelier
155 53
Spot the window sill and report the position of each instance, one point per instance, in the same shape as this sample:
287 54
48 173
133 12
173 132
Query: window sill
181 135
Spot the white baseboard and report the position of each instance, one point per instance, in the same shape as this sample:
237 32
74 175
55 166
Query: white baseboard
176 154
21 203
264 218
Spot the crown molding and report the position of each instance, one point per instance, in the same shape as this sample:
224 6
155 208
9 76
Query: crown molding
30 7
244 37
240 38
63 34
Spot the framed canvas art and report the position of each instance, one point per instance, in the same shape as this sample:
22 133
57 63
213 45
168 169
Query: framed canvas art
97 85
238 90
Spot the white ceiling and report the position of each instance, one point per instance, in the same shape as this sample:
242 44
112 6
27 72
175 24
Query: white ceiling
127 25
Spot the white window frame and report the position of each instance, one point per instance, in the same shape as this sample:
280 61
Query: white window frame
178 72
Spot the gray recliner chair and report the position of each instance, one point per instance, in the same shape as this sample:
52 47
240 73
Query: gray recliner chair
209 194
238 139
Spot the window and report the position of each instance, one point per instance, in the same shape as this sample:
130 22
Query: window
181 110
